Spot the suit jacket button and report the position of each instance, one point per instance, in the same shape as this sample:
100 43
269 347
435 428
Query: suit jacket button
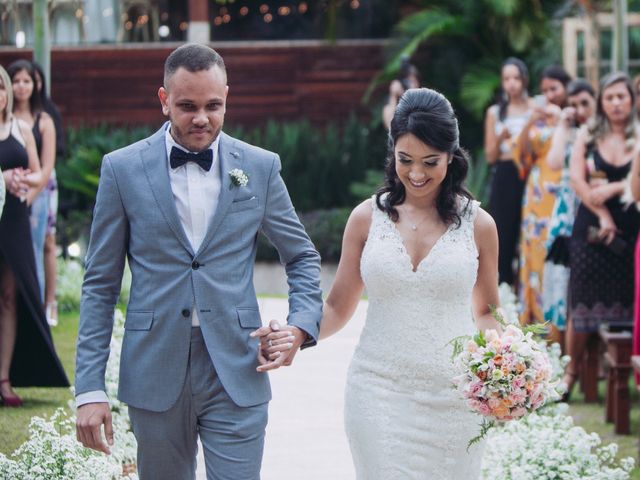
195 265
186 313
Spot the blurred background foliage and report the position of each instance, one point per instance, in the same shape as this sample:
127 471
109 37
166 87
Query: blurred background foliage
458 46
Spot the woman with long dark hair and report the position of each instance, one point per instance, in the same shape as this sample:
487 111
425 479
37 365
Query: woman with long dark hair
605 229
555 291
428 257
503 123
542 181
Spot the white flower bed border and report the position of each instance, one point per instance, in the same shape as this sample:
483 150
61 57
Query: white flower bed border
541 446
52 451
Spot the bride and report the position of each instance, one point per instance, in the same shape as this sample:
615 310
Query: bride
427 255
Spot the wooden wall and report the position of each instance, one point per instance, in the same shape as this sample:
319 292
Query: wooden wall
280 80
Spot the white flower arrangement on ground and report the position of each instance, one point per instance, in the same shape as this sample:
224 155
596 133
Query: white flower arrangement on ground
550 447
52 451
69 284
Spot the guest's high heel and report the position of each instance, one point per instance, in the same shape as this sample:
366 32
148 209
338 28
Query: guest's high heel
51 310
10 400
569 380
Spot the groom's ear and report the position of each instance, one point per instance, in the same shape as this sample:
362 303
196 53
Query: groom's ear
163 95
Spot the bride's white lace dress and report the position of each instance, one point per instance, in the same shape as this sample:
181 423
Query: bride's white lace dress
402 417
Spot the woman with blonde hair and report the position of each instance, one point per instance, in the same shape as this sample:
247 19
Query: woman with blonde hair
27 355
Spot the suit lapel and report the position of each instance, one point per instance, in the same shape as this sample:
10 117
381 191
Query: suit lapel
228 159
156 168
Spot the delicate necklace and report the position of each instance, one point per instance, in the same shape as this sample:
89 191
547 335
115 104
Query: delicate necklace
414 226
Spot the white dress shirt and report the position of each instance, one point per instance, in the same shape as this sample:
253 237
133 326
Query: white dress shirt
195 192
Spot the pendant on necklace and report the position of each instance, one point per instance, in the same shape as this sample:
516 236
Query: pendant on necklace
414 227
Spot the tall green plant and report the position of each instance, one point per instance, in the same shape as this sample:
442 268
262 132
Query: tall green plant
465 42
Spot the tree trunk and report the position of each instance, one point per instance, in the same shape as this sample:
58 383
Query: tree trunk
620 44
41 39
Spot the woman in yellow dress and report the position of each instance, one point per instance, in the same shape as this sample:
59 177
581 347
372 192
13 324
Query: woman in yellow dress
542 182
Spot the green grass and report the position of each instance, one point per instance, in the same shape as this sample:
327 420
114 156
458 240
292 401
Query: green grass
14 422
43 401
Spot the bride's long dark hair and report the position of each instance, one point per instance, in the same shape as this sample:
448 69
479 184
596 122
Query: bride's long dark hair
428 115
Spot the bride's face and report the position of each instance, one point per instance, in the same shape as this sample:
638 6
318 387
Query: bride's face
420 168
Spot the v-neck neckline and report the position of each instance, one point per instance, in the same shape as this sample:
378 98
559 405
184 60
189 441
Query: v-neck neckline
405 250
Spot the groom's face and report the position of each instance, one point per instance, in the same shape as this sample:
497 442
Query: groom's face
195 102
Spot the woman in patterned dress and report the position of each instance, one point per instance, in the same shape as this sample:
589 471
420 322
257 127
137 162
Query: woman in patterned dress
541 187
605 229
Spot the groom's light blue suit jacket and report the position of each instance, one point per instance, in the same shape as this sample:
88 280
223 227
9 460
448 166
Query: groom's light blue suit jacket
135 217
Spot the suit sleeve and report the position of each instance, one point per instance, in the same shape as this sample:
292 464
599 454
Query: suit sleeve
297 253
102 281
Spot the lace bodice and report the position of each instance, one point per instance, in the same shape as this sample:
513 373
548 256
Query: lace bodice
402 416
428 307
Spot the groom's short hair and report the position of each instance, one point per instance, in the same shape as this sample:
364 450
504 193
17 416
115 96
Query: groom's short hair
193 57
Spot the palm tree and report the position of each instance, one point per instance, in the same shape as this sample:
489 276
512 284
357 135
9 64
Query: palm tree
468 40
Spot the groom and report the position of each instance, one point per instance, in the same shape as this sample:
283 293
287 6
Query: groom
184 206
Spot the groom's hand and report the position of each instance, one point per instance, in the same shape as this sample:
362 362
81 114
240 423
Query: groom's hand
89 419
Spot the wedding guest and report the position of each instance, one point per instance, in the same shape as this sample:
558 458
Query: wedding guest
636 88
408 77
605 231
503 123
580 109
28 107
634 187
27 355
3 193
542 181
51 189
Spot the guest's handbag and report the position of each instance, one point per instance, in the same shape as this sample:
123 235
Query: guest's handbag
618 245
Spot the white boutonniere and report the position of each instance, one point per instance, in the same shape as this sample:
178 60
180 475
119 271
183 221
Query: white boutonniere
239 178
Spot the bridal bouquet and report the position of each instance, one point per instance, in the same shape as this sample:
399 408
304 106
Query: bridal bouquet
503 377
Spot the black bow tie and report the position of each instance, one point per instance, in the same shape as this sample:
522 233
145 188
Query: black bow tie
179 157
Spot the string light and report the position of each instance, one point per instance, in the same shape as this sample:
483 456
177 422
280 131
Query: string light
284 11
303 7
244 11
217 21
264 8
268 18
355 4
226 18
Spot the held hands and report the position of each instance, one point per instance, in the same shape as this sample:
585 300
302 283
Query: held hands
16 181
90 418
278 345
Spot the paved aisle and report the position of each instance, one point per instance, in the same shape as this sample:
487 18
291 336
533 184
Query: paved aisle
305 436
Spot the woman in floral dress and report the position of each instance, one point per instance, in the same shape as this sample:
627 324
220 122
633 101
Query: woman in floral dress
542 183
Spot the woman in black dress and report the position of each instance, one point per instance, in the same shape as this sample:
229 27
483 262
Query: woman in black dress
605 229
503 123
27 355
